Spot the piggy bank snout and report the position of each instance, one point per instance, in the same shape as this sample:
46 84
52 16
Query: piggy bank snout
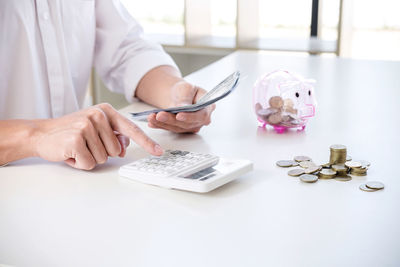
307 111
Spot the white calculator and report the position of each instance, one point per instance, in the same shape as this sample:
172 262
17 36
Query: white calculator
186 170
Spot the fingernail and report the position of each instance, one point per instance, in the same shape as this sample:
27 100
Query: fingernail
158 150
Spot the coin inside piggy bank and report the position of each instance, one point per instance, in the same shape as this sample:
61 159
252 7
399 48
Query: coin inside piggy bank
284 100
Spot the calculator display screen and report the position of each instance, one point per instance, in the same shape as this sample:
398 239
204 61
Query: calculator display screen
202 175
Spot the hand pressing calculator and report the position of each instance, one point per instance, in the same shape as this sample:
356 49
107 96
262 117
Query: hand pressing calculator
186 170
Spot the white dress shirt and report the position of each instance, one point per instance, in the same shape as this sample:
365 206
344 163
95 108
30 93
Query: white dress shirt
48 47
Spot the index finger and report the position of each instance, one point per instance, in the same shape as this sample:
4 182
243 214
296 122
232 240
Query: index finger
126 127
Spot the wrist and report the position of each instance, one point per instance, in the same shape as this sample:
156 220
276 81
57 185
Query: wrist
33 135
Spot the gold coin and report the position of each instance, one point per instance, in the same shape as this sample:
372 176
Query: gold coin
296 172
312 169
375 185
286 163
302 158
306 164
276 102
343 178
364 187
353 164
309 178
357 173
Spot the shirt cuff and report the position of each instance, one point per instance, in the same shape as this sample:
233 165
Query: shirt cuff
139 66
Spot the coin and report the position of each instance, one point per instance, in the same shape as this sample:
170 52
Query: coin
343 178
338 147
286 163
288 103
353 164
296 172
302 158
327 172
364 163
339 168
306 164
276 102
275 118
326 165
312 169
309 178
364 187
348 158
375 185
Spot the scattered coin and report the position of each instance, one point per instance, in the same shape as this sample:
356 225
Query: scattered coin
312 169
286 163
343 178
296 172
364 187
353 164
375 185
302 158
327 174
306 164
339 167
309 178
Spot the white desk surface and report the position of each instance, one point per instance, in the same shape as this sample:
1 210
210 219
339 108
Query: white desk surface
53 215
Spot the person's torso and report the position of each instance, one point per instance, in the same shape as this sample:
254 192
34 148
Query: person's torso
46 54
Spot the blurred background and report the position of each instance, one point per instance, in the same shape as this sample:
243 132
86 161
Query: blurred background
198 32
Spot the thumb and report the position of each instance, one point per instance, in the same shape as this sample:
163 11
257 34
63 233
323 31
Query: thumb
183 93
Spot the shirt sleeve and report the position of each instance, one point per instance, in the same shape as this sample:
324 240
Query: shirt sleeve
122 54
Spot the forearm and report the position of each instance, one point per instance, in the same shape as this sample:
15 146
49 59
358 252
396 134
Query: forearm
155 87
16 140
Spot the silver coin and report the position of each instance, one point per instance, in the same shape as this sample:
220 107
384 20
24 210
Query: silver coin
309 178
296 172
312 169
353 164
286 163
327 172
306 164
348 158
302 158
375 185
364 163
339 168
338 147
364 187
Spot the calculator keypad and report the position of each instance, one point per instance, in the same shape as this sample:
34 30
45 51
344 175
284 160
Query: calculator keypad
172 162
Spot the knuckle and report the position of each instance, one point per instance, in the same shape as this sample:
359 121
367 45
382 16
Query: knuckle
105 106
97 114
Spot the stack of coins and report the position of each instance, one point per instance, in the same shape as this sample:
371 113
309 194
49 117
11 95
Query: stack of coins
357 168
339 167
280 112
338 154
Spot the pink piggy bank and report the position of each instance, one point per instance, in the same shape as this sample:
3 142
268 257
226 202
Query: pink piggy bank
284 100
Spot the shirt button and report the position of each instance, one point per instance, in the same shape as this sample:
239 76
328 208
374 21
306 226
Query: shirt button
45 16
